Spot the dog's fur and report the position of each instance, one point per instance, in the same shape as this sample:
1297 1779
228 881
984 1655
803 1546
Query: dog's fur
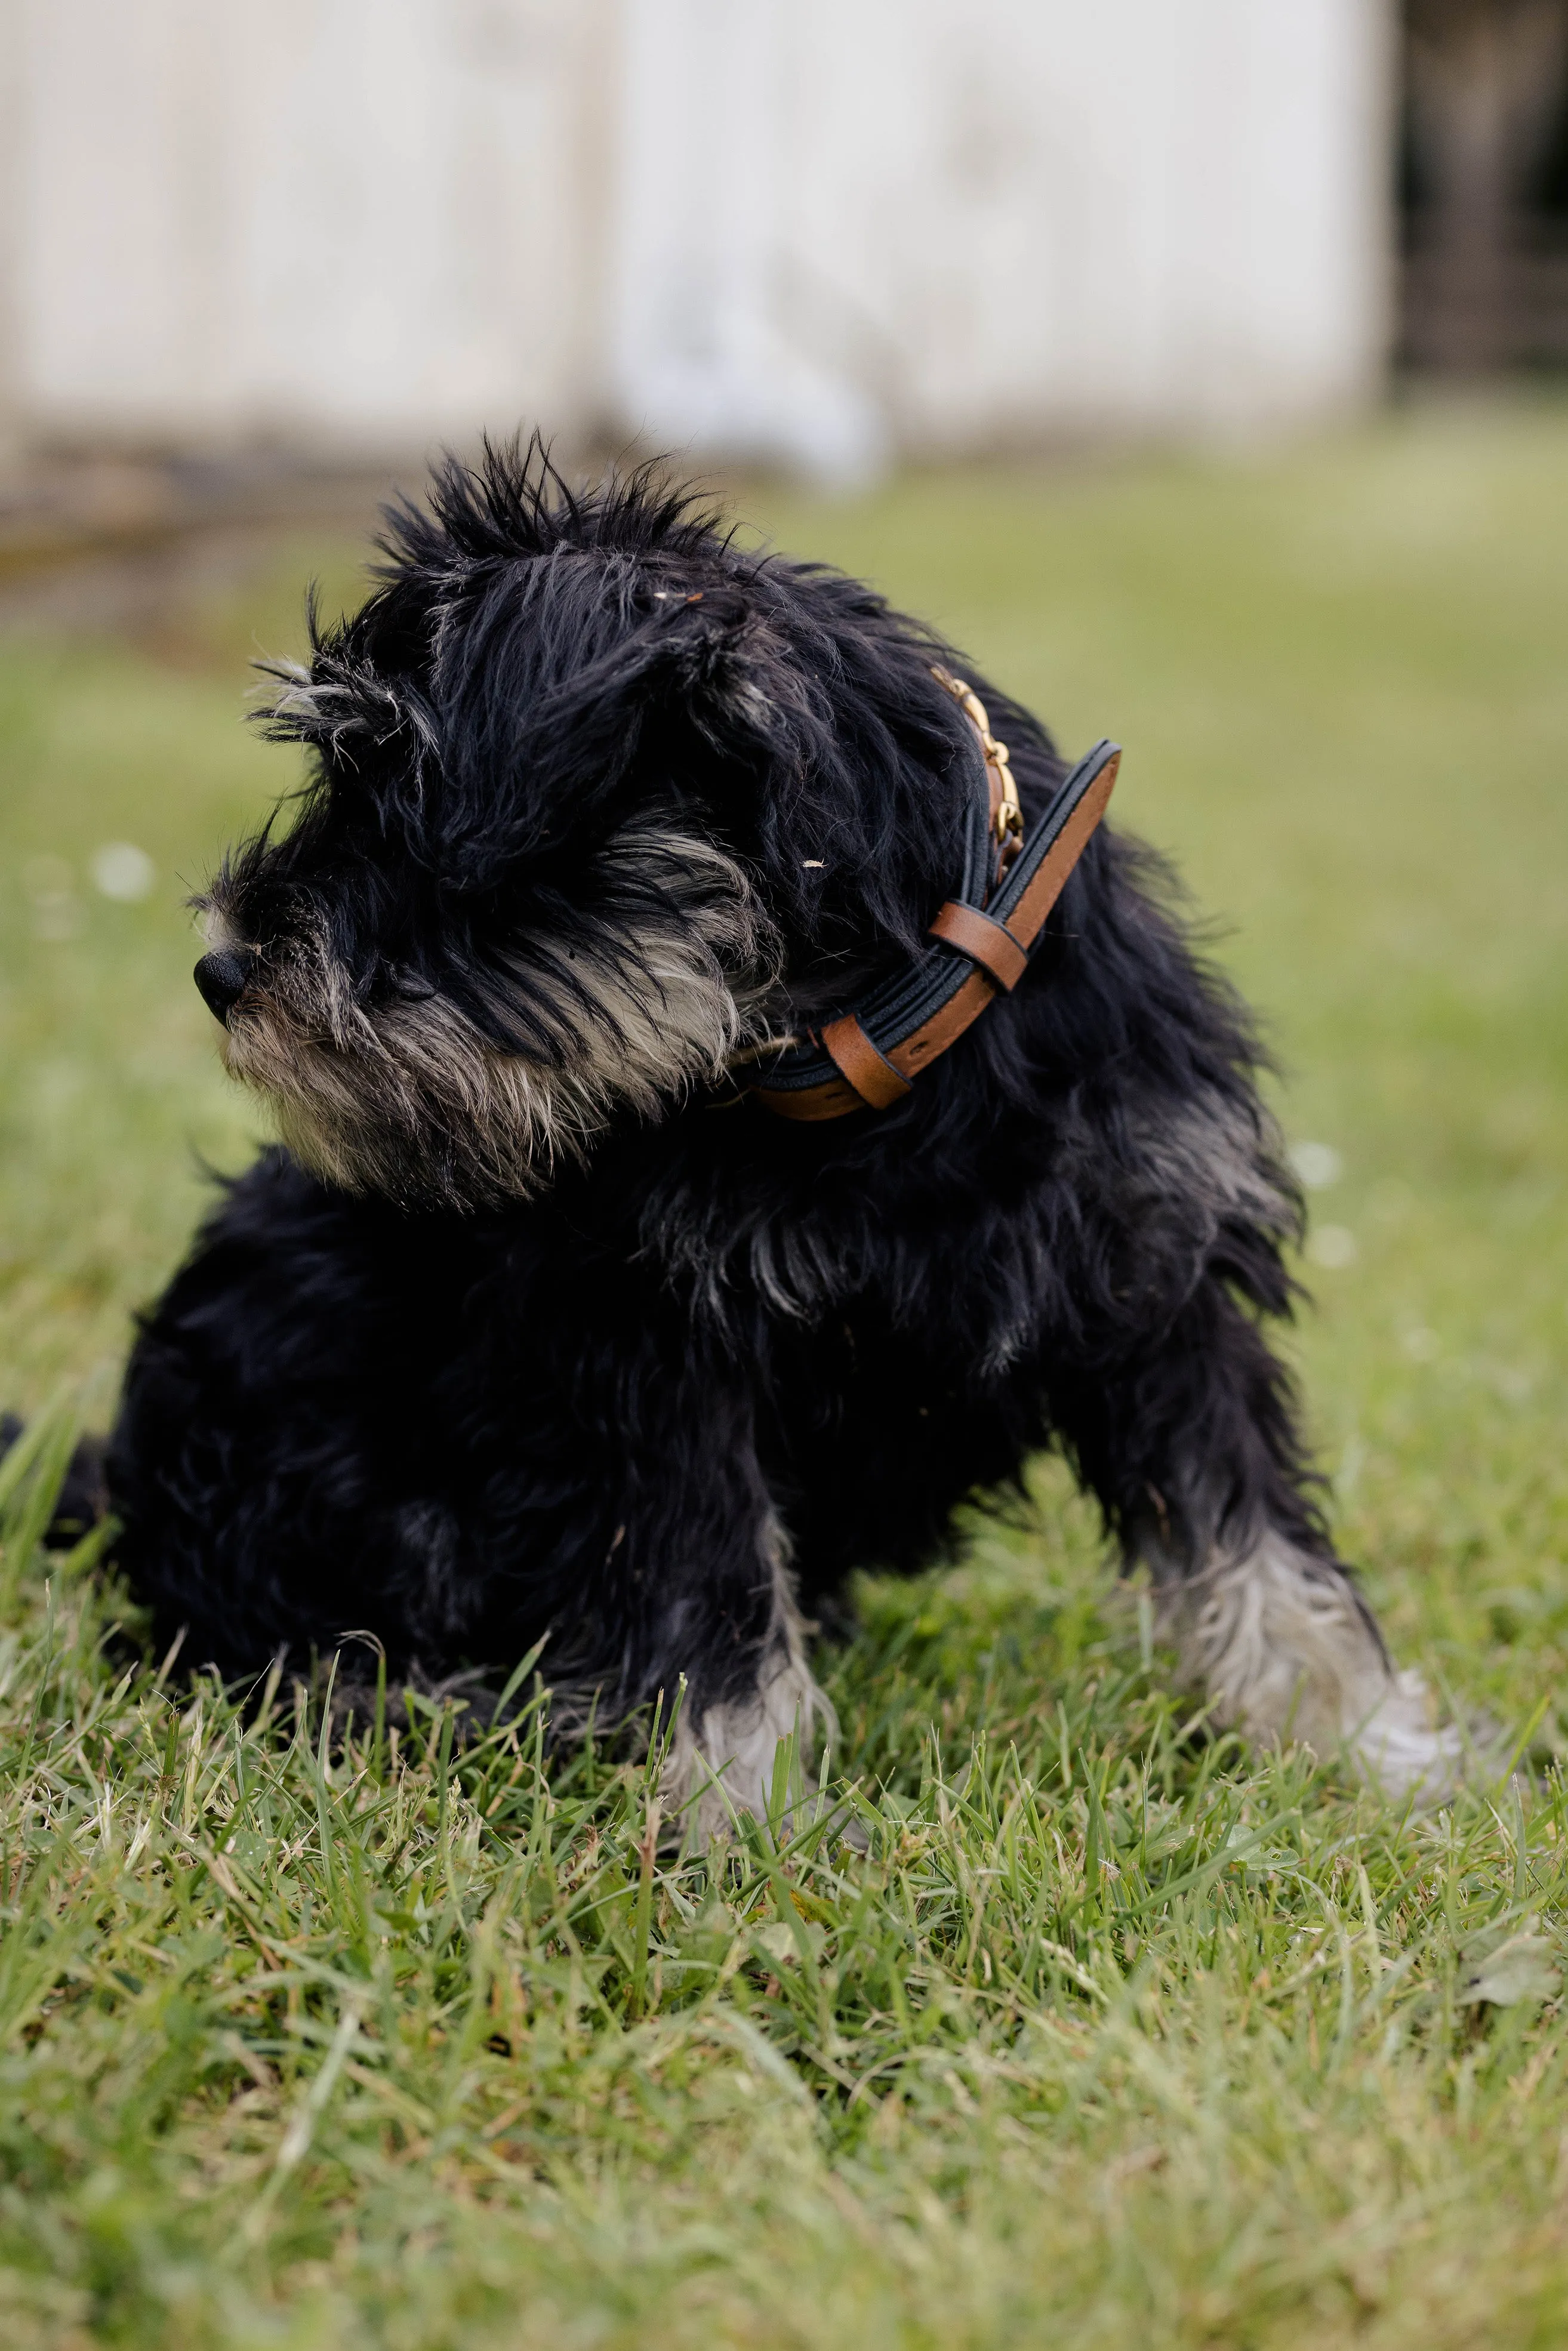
535 1328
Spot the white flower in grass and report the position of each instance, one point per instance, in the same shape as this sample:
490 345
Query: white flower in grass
1318 1165
120 870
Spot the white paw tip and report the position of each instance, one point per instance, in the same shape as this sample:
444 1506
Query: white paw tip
1399 1749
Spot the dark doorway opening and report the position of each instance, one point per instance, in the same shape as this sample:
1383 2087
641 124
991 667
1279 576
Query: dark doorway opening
1484 186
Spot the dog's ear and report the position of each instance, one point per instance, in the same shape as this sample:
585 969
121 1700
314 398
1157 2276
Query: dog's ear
552 689
359 704
834 763
739 681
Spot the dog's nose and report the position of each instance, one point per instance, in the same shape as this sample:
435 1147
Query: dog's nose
221 978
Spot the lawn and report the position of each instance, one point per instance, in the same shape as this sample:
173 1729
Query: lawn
1112 2036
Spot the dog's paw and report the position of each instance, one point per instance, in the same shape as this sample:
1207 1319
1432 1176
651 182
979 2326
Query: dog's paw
725 1764
1400 1750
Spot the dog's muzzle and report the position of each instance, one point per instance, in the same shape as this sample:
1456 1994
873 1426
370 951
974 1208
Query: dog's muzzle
221 977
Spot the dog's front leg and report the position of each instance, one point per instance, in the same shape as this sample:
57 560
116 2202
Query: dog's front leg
1193 1451
696 1590
723 1757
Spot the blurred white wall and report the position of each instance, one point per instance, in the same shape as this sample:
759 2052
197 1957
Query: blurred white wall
821 229
351 218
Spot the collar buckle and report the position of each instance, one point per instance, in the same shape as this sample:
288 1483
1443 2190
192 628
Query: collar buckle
1006 811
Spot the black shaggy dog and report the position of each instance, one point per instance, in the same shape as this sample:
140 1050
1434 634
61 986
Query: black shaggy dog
539 1324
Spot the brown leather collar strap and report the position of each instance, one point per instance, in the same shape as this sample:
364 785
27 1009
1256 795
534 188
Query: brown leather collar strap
872 1075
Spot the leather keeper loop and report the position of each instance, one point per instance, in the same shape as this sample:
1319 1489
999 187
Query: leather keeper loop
984 940
872 1075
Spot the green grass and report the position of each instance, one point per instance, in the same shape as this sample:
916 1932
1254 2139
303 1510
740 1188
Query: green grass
1112 2038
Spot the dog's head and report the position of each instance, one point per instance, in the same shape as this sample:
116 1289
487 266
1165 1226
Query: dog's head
599 802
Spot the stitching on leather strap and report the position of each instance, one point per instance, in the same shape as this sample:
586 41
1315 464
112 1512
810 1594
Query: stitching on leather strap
811 1104
984 940
1033 909
870 1073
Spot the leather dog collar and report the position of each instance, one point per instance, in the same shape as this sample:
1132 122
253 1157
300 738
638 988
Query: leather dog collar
870 1055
